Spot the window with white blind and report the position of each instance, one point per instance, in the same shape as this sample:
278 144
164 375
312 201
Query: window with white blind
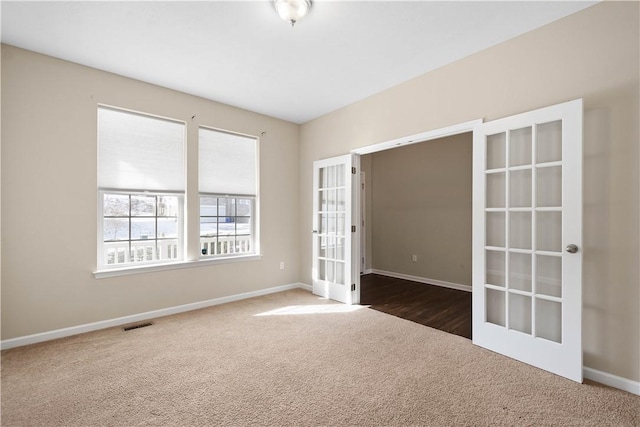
141 180
228 193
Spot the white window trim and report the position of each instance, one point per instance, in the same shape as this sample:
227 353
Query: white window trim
150 268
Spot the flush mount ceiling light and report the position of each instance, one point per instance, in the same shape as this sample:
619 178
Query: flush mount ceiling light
292 10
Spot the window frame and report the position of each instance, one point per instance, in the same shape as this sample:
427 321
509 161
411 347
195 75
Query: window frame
252 225
180 229
186 257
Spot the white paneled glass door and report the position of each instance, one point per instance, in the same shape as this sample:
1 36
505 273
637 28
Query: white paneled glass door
332 236
527 238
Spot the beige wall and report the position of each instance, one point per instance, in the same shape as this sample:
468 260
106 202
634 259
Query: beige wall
421 205
49 198
594 55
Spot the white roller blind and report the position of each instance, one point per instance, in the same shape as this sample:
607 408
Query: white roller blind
227 163
139 152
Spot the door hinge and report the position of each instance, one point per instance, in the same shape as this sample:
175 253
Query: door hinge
353 287
353 170
353 228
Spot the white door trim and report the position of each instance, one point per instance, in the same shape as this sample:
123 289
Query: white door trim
419 137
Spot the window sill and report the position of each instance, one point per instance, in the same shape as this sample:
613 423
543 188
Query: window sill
204 262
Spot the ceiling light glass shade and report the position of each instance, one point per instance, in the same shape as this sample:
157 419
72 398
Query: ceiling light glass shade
292 10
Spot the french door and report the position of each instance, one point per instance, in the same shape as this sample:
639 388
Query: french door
527 238
333 245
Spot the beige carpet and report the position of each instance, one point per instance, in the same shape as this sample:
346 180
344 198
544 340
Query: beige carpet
304 366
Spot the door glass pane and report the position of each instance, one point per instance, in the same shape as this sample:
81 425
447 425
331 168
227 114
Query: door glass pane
496 190
520 271
495 229
549 186
520 189
520 313
331 271
331 247
549 275
323 223
331 223
339 182
322 249
322 269
495 307
322 181
322 198
495 268
549 231
331 176
339 273
520 230
340 199
496 151
549 142
340 231
549 320
520 147
340 249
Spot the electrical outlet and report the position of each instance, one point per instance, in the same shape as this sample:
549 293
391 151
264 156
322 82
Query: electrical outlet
281 265
414 258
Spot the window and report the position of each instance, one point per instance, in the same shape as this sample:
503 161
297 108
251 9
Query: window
141 179
140 227
143 198
228 193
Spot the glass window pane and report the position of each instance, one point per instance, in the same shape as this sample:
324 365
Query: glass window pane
143 205
495 307
549 320
496 187
496 152
549 186
167 228
116 205
244 207
143 228
520 271
549 142
549 231
495 264
168 206
520 313
520 188
520 147
115 229
495 229
520 230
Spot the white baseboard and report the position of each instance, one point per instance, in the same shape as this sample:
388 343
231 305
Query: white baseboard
90 327
435 282
368 271
611 380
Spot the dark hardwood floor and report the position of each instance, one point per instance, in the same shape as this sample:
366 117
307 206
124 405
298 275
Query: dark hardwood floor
441 308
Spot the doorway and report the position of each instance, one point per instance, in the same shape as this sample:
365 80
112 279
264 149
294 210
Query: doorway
417 208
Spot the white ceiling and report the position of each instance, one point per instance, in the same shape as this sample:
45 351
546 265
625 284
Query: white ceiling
241 53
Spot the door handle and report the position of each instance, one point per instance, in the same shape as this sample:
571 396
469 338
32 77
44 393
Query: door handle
572 249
